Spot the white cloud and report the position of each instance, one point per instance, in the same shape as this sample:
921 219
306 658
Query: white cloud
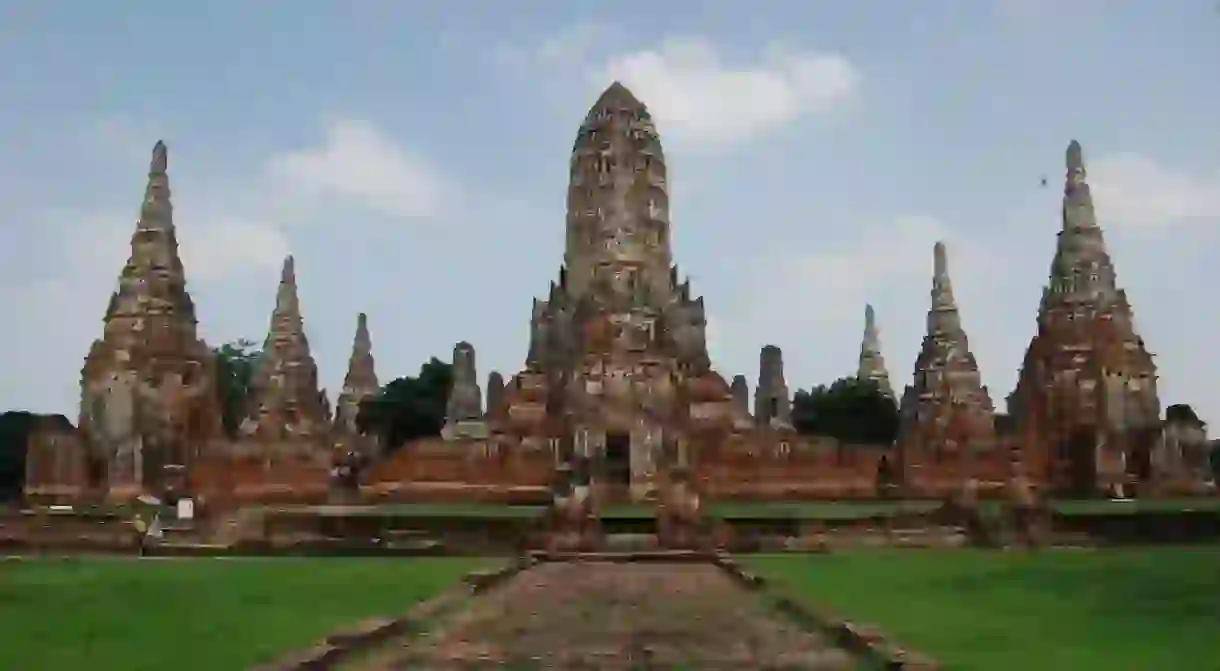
697 96
700 95
361 164
1134 190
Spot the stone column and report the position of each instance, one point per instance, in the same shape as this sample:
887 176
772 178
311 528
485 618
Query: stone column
464 409
772 404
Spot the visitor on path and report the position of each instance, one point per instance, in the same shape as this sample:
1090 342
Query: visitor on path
141 529
145 531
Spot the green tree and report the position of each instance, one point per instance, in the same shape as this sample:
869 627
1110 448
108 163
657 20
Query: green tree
408 407
235 364
849 409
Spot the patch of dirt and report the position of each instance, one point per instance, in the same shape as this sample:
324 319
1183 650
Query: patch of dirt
603 615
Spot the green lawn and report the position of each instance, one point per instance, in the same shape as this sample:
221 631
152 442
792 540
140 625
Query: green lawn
1152 609
204 614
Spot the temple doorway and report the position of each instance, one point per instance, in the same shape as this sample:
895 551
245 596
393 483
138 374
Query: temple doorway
1082 460
618 458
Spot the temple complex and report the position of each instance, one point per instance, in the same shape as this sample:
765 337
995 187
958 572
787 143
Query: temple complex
872 365
359 384
617 396
1086 397
947 420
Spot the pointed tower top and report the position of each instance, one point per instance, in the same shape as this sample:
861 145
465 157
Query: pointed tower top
871 365
1075 156
942 286
361 378
617 94
364 342
871 344
160 159
288 275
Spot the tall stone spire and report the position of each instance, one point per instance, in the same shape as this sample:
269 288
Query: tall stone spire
359 384
150 350
618 201
946 412
154 269
1081 267
872 364
618 351
287 410
1086 369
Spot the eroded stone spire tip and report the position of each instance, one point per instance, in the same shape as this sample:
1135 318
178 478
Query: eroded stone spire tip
1075 155
160 158
616 92
940 259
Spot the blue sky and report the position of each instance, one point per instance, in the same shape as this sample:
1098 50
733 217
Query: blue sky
414 160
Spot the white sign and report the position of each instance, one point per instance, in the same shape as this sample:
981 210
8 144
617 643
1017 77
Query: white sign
186 509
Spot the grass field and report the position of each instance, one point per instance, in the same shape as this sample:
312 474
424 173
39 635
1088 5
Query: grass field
197 614
1119 610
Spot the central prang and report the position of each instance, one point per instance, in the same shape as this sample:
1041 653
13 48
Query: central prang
617 372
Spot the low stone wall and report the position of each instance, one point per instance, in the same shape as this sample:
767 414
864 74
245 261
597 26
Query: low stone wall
861 639
29 531
1142 527
454 492
338 647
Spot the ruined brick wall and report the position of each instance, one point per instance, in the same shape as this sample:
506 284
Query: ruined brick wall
237 480
787 467
486 470
55 467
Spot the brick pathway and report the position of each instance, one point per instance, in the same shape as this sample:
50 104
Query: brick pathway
601 615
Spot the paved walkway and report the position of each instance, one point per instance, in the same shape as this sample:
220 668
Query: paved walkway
601 615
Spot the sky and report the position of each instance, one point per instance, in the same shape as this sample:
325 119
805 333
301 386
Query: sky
413 157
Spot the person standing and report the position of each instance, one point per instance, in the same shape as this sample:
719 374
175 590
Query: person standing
141 529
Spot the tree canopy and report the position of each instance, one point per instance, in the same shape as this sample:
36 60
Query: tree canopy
235 364
407 408
849 409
